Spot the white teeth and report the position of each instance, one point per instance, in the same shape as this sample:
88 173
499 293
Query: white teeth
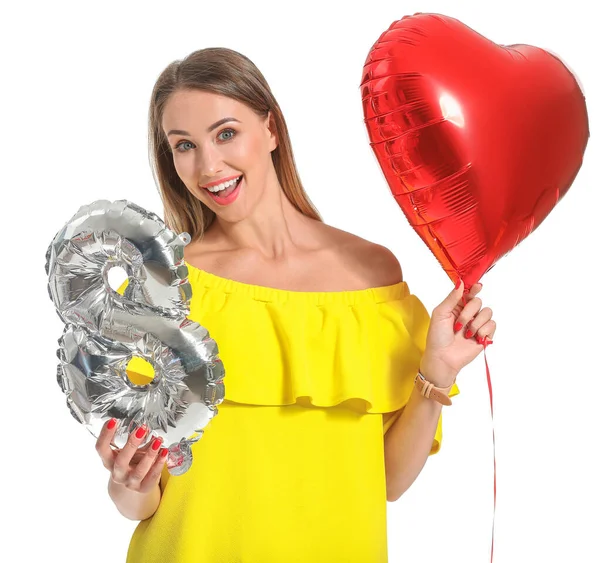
223 186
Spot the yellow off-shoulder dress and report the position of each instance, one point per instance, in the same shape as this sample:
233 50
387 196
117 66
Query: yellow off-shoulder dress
291 470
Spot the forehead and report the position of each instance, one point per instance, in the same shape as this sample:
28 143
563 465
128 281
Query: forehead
195 108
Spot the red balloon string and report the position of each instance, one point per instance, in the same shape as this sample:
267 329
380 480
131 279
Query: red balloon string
486 343
489 381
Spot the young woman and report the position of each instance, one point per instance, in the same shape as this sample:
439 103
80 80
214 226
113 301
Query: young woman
325 418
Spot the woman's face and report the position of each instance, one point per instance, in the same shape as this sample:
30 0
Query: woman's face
221 150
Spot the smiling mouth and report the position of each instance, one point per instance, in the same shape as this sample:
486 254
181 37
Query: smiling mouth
225 192
223 186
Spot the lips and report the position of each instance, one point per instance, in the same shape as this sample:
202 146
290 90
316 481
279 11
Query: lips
228 195
221 181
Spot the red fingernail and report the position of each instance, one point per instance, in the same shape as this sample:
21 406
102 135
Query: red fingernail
156 443
457 326
164 452
469 333
140 432
111 424
457 284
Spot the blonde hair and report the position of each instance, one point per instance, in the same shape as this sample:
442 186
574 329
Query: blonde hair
231 74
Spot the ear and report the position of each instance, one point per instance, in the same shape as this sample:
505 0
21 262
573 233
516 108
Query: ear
272 131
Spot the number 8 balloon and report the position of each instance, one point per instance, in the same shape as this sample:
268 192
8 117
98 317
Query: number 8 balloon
107 333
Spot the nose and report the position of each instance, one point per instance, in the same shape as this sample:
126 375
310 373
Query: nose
209 163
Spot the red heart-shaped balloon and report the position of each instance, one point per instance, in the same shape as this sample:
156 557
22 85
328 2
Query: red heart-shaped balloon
477 141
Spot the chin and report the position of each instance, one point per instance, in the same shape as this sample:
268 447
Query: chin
238 210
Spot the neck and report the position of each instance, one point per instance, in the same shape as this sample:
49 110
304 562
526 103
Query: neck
275 229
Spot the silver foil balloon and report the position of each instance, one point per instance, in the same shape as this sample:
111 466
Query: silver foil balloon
105 330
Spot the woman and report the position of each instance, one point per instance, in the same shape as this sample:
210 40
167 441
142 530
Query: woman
320 338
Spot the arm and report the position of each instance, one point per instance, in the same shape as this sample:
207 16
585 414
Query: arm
408 441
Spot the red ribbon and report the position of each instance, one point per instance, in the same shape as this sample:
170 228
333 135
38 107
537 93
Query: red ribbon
486 342
489 381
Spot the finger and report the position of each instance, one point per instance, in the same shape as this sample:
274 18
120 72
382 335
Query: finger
446 307
103 443
140 453
473 291
469 311
123 458
480 319
137 475
468 295
487 331
153 475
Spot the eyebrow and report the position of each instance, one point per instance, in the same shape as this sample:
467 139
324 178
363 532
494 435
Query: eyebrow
211 128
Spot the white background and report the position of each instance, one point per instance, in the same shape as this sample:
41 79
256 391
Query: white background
76 80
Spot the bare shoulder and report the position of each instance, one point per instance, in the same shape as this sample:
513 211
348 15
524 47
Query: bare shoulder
197 251
207 254
374 263
328 259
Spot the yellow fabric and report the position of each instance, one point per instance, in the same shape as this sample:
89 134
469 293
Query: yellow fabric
292 468
139 371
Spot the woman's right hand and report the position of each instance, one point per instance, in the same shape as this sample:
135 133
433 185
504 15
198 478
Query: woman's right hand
137 469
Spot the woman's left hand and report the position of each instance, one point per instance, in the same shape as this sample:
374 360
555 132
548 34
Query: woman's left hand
456 335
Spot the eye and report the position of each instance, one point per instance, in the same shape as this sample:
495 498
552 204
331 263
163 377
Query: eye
178 146
226 135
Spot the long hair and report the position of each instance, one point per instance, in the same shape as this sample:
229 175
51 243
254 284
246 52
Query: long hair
231 74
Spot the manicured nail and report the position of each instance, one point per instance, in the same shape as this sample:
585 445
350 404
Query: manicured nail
469 333
457 284
164 452
484 340
156 443
457 326
111 423
140 432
